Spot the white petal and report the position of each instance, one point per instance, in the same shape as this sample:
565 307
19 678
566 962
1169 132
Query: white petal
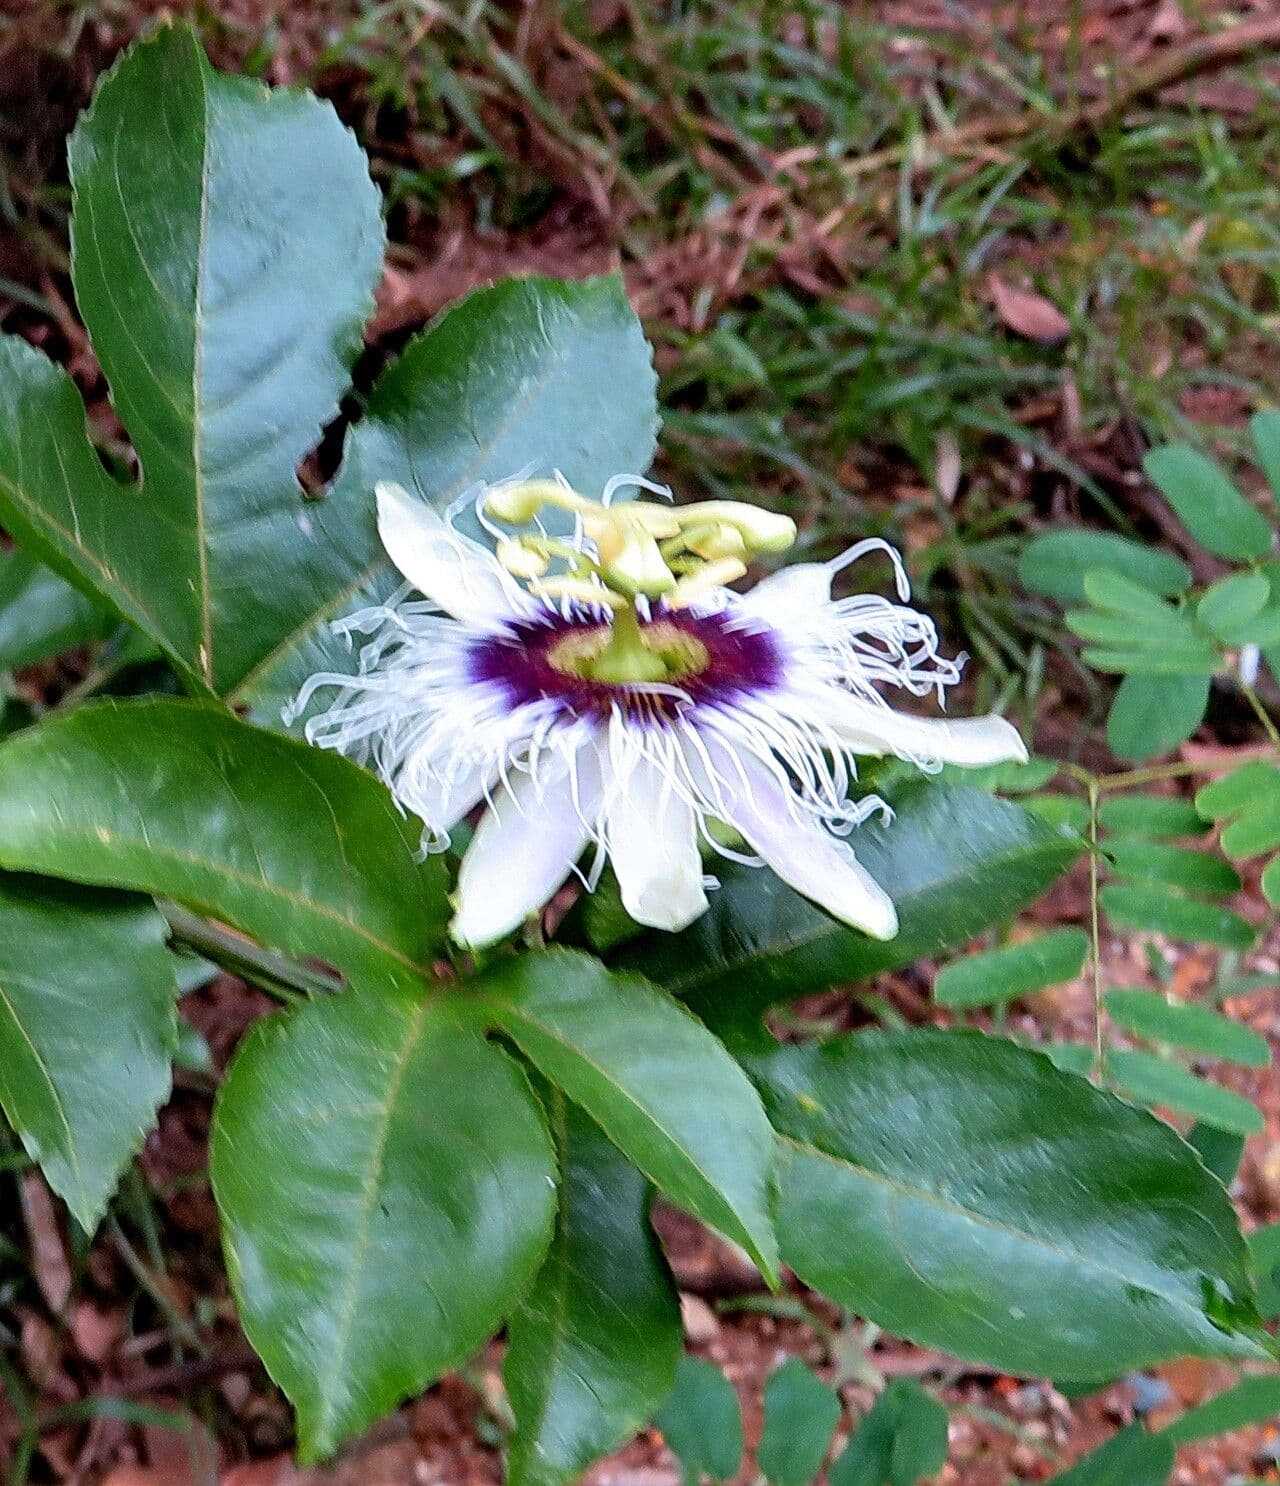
523 849
805 856
804 586
443 565
653 844
971 742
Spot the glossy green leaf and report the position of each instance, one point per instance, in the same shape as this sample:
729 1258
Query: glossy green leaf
1264 1250
902 1439
297 847
1151 715
1156 1081
1131 1458
1220 1150
1164 629
1157 816
87 1031
593 1348
387 1190
660 1085
41 615
1174 866
1199 1029
531 372
225 246
960 1190
1231 602
800 1416
1207 503
701 1422
1251 1401
1055 564
1015 970
1265 430
955 860
1153 910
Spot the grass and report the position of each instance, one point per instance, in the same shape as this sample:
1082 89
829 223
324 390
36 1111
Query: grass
809 231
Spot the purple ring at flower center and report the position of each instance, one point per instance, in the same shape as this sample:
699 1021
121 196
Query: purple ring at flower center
738 658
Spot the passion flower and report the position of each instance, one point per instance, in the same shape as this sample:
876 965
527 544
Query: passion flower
610 691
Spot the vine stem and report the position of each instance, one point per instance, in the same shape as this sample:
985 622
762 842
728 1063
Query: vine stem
282 978
1095 938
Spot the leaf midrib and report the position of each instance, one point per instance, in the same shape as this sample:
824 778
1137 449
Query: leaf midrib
104 837
511 1010
994 1225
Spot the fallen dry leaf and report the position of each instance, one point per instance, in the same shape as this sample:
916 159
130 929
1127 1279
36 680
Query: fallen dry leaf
1027 313
48 1252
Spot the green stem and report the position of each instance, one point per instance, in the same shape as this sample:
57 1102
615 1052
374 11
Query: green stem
626 658
1263 716
279 977
1095 938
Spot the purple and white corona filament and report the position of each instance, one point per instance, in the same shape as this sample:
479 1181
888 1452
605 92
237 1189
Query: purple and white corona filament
747 709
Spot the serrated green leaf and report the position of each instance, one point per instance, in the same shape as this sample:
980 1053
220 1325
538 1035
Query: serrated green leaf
1207 503
593 1348
1131 1458
1231 602
1016 970
1251 1401
300 848
658 1083
41 615
800 1415
902 1438
1265 431
1251 785
1264 1250
1174 866
387 1190
954 860
1157 816
1198 1029
1151 910
528 372
1220 1150
1055 564
87 1031
1096 1242
1152 715
225 243
701 1422
1156 1081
